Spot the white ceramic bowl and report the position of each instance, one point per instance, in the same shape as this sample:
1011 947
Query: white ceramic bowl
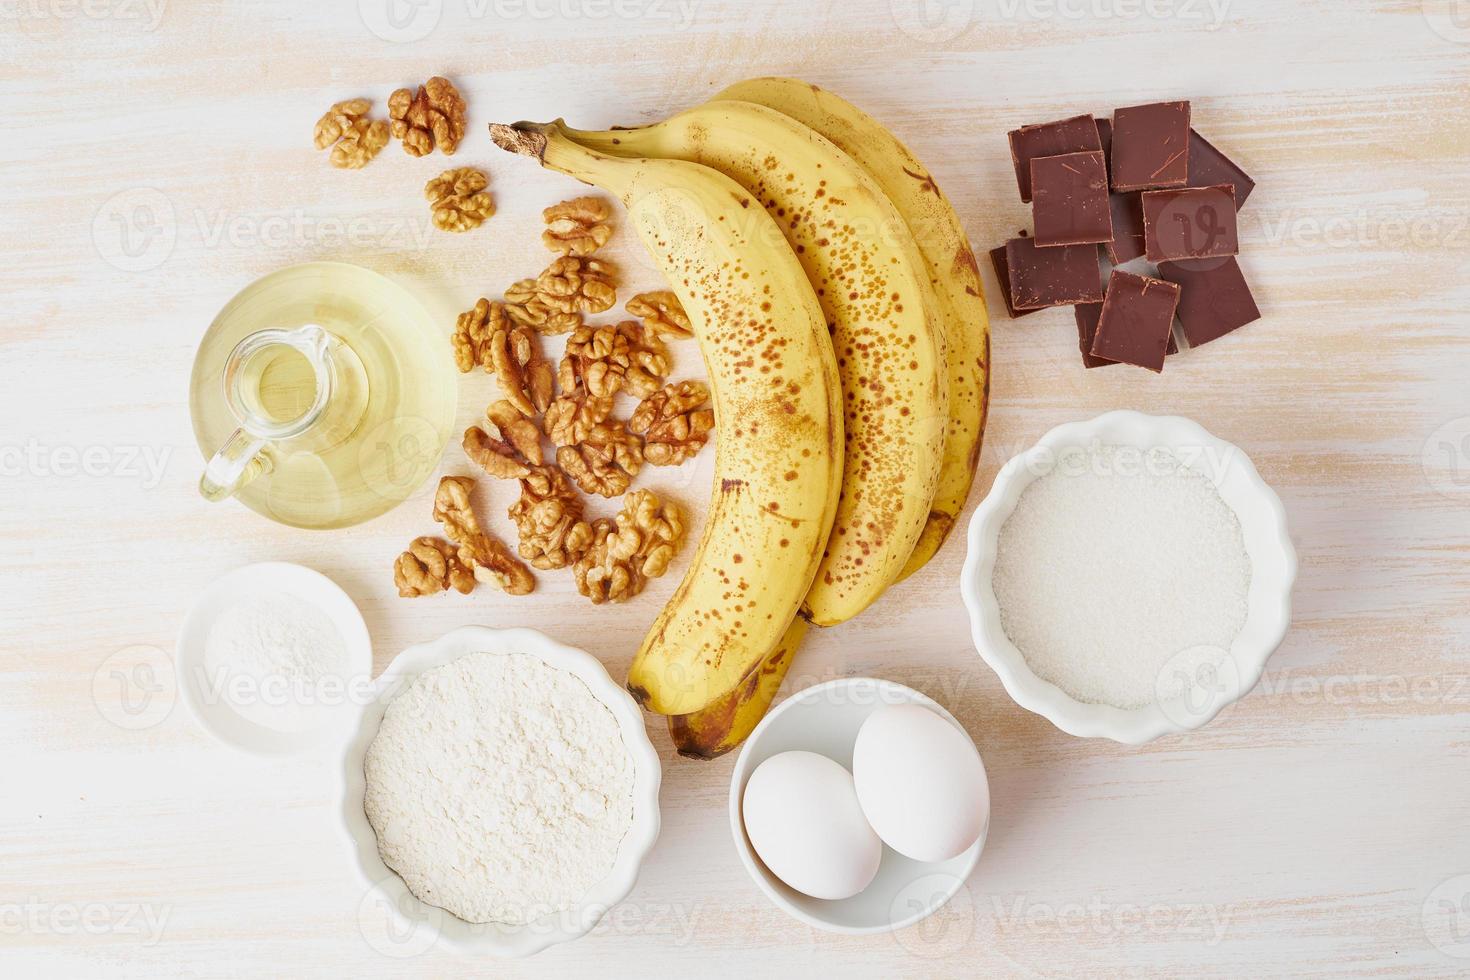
211 699
1273 573
428 924
825 719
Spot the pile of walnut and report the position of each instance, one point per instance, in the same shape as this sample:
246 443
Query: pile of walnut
432 118
431 565
571 406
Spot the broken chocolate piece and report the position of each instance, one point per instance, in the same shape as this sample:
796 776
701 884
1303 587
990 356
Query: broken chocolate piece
1003 276
1069 199
1189 223
1214 298
1105 137
1048 140
1087 315
1208 167
1151 146
1056 276
1127 243
1136 320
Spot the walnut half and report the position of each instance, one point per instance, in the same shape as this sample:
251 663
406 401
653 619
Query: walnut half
432 117
428 567
604 461
627 552
555 300
576 227
674 423
458 199
606 360
661 313
548 518
354 138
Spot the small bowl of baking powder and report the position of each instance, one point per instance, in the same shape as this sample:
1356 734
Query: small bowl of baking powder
1129 576
273 658
499 794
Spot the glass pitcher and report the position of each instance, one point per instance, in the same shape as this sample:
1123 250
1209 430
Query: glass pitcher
323 395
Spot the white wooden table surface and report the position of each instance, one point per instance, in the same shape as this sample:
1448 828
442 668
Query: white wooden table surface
157 158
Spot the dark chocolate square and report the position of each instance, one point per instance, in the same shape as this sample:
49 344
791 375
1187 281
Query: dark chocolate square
1087 315
1056 276
1136 321
1208 167
1214 298
1127 243
1151 146
1003 276
1048 140
1105 137
1190 223
1069 199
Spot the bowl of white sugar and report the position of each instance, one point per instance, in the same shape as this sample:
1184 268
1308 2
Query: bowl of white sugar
499 795
1128 576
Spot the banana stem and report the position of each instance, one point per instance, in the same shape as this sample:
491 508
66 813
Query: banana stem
549 145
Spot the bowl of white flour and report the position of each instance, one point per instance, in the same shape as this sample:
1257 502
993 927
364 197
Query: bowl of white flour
499 795
1129 576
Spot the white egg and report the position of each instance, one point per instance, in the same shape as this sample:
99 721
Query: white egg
921 783
803 818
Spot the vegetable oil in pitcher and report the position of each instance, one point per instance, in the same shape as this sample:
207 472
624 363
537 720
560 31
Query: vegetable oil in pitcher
322 396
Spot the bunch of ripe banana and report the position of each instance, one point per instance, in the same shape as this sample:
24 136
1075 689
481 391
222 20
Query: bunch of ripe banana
839 311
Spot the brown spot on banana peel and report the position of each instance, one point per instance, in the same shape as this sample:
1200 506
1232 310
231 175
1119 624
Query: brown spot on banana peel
964 261
926 182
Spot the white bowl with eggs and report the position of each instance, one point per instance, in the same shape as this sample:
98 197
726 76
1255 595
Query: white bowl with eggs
413 925
1267 543
825 721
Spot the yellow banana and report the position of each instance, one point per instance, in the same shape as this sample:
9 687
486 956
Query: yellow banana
874 289
776 393
722 725
951 264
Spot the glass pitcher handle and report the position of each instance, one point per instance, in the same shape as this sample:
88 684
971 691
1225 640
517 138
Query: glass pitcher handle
239 461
